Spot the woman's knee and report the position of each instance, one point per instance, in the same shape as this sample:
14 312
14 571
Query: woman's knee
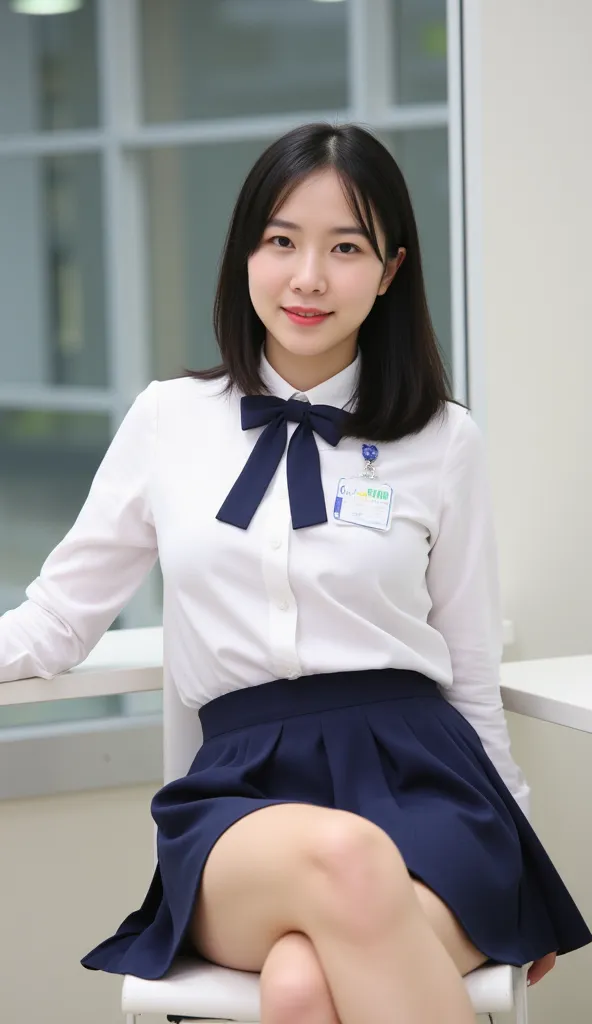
360 875
294 989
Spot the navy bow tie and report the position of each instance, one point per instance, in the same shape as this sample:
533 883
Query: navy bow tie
307 501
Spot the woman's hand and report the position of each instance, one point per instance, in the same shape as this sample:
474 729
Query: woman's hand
539 968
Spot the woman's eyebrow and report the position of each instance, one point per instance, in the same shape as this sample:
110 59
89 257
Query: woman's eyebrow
354 229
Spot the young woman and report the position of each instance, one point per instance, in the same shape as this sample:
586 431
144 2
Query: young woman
354 826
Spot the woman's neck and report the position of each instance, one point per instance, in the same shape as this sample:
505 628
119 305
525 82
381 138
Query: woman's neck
306 372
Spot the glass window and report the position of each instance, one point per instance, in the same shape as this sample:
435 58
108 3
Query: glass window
419 42
47 712
52 291
47 462
48 69
187 221
422 155
237 58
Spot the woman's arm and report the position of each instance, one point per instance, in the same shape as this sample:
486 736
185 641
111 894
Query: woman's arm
463 582
92 573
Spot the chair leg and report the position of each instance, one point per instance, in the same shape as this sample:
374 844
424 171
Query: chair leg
520 991
520 995
130 1018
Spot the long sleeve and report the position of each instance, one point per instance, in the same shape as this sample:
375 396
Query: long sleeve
463 582
92 573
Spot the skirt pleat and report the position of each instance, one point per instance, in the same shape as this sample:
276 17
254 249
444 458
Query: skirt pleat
386 746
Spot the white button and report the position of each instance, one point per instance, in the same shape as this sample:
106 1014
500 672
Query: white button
283 605
276 543
300 397
292 675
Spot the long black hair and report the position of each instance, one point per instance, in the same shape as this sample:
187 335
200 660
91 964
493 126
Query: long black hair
403 380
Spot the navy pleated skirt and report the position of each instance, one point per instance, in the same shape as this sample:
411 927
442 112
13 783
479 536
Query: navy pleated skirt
382 744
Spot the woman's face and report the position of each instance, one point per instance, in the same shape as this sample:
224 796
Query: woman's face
315 277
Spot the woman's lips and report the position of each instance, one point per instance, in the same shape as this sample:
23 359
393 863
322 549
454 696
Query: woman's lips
305 317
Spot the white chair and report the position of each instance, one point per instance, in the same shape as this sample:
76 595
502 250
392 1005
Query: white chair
218 995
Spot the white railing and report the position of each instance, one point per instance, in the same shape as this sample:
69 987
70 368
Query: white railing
557 690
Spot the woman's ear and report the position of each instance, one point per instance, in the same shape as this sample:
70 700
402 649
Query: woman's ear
391 269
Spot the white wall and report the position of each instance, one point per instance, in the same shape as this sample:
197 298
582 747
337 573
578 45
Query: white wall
537 230
73 866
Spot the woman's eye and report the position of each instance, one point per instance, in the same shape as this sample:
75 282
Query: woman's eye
343 248
347 247
282 241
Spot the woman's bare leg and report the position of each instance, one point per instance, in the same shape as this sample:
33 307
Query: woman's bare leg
293 987
339 880
447 928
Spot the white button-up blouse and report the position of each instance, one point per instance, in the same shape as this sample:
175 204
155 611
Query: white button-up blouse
242 607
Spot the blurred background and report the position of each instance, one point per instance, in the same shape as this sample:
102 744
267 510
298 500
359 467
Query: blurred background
126 130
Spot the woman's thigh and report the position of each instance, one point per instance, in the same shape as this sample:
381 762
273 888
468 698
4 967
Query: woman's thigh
266 874
452 935
254 887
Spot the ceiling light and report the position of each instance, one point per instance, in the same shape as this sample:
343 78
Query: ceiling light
46 6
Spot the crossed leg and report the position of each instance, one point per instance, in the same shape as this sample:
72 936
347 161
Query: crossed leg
293 984
331 888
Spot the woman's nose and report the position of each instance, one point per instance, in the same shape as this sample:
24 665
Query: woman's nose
309 276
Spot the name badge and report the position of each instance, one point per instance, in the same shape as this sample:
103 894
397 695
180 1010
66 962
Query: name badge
363 502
